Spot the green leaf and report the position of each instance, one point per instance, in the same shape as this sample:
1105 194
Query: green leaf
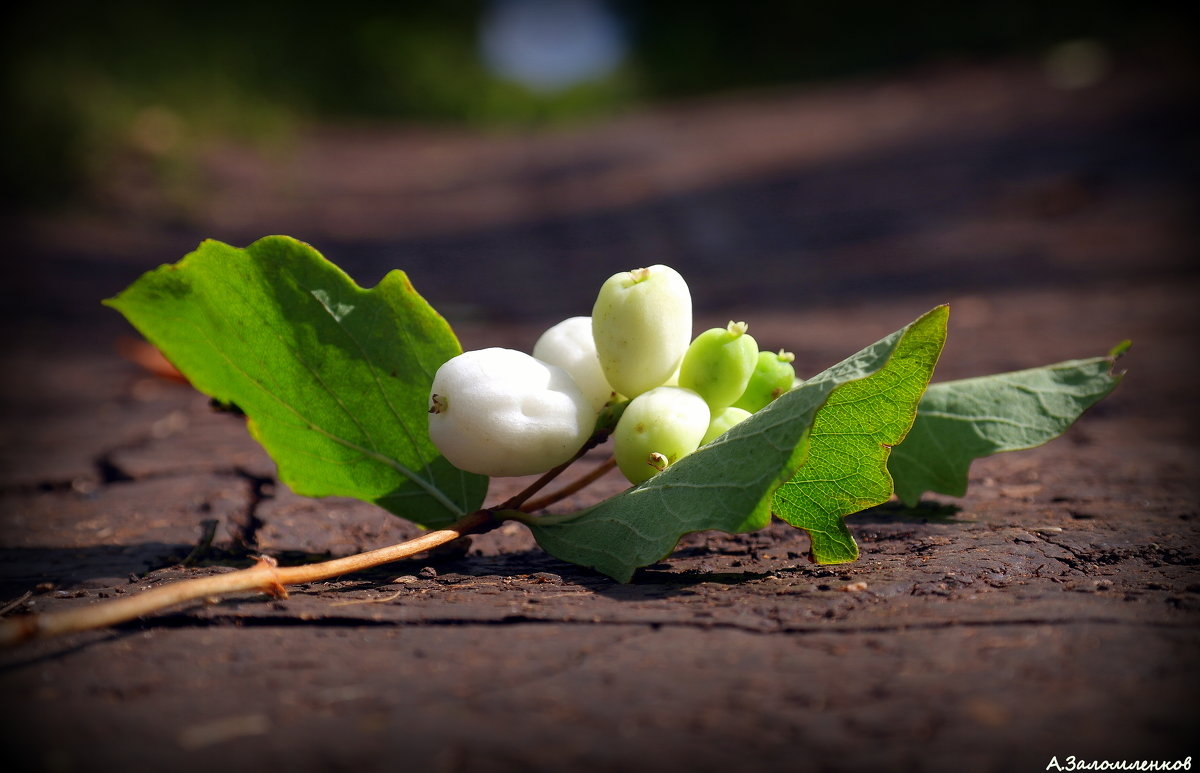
960 421
729 484
334 379
852 437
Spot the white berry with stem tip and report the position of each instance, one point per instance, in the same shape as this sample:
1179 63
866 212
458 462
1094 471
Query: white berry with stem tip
642 323
501 412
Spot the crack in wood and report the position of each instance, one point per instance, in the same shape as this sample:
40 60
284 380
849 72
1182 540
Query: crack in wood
186 620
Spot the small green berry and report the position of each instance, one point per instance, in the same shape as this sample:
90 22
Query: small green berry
718 364
658 428
773 375
722 421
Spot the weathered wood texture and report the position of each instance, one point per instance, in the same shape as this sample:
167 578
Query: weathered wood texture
1051 612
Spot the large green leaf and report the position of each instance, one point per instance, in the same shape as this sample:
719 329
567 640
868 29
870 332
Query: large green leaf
852 437
960 421
836 425
334 379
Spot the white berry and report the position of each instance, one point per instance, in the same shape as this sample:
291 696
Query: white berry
642 323
501 412
570 346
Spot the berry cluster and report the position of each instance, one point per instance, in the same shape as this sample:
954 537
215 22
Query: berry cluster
502 412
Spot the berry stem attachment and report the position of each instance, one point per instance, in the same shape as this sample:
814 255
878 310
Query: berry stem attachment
515 502
596 474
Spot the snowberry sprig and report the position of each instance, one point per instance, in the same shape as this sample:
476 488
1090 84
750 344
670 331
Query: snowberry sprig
633 364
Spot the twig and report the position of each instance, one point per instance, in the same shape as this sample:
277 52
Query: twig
383 600
568 490
265 576
515 502
10 606
209 531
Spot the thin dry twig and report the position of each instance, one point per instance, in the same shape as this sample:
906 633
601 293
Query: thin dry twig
566 491
355 602
10 606
208 532
515 502
265 577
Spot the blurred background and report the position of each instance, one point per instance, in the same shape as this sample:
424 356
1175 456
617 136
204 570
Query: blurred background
791 153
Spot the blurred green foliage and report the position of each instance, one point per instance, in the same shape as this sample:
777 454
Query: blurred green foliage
697 46
85 84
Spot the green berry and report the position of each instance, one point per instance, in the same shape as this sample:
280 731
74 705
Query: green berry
641 323
722 421
659 428
719 363
773 375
